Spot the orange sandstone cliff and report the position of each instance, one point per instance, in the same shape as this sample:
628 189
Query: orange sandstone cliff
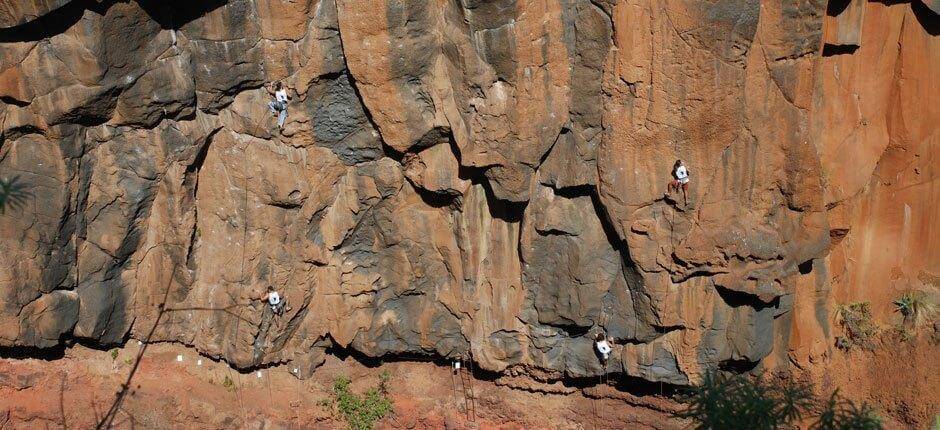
471 178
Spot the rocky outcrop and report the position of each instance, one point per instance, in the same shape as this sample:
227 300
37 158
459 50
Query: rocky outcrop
461 178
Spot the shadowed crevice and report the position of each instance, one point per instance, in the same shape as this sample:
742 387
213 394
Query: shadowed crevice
737 299
738 366
435 199
830 50
508 211
806 267
191 183
13 101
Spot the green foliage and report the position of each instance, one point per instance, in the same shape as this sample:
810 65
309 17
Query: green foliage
738 402
384 377
13 193
915 307
114 354
839 413
856 321
735 401
228 383
903 332
361 412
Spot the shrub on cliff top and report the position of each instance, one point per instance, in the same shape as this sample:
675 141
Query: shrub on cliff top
738 402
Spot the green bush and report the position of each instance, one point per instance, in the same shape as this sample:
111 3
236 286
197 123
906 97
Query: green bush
114 354
915 307
856 321
361 412
228 383
739 402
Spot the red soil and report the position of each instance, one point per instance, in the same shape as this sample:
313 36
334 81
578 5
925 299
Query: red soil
76 390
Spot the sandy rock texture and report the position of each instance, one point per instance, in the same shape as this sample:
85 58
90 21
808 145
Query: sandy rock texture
482 178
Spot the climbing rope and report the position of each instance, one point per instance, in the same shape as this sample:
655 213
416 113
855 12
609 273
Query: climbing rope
270 394
236 380
244 225
453 380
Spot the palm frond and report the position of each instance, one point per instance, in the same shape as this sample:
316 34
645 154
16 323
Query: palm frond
13 193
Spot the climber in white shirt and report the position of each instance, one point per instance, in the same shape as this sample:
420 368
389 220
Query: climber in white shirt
603 347
274 300
681 175
279 105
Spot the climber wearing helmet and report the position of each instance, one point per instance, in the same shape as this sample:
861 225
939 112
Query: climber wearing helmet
681 175
602 346
279 105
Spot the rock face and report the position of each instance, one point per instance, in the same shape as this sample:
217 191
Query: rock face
483 178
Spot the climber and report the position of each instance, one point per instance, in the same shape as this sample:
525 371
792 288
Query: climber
274 300
279 105
603 348
681 175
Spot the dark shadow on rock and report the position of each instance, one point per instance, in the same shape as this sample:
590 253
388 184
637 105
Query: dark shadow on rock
836 7
927 18
24 352
737 299
435 199
173 14
738 366
344 353
830 50
54 22
806 267
505 210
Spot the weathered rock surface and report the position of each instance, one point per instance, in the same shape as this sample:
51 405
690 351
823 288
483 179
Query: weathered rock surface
476 177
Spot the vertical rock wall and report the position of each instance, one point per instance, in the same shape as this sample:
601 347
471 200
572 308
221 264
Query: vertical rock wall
464 177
